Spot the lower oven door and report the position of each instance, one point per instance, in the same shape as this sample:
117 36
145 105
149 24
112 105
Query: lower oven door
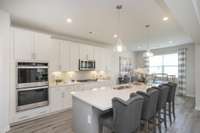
29 98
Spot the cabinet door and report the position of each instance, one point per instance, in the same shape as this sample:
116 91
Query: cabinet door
57 99
83 52
108 60
90 52
98 57
65 56
42 46
23 44
74 56
86 52
54 54
68 97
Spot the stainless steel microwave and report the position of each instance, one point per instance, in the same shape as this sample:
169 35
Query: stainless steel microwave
87 65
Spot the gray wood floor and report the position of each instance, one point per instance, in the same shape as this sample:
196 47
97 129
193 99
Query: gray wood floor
187 121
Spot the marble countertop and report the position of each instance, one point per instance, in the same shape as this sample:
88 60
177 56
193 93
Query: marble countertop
101 98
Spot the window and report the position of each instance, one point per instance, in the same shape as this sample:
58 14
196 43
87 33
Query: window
164 64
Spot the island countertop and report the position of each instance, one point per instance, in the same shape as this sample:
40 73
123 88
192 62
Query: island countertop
101 98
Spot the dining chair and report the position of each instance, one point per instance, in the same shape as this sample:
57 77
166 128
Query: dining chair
125 117
149 107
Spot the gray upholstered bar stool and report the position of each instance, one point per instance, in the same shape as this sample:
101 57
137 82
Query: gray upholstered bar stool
149 106
171 100
126 115
162 101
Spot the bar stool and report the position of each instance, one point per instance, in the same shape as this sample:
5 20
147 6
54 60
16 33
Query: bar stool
126 115
162 100
149 106
171 100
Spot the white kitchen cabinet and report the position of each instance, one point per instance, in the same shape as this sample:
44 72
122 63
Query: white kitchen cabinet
29 45
57 96
54 54
23 44
65 56
74 56
61 98
86 52
108 60
99 58
67 101
42 46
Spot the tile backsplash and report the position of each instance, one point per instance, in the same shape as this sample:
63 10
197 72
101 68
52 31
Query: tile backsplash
80 75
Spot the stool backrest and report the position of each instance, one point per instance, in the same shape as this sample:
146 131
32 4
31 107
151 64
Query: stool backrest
150 103
127 114
163 96
172 91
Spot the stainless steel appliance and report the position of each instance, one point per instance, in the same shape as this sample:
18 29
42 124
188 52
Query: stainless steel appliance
32 85
86 65
29 98
31 74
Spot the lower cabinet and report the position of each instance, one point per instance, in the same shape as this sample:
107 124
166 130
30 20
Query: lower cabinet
60 98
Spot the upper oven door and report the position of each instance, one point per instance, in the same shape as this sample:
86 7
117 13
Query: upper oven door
31 76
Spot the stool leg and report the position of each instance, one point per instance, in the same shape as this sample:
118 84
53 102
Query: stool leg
170 111
173 108
159 123
146 126
165 118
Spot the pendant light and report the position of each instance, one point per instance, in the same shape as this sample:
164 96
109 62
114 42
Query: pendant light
148 52
119 45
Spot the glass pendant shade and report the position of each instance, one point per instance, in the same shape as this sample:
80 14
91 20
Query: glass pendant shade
148 53
119 47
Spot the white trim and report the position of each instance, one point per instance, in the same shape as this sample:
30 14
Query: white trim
197 10
197 108
6 129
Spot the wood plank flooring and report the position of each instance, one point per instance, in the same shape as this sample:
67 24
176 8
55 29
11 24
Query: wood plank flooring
187 121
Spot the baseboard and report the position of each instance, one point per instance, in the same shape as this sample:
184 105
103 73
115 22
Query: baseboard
197 108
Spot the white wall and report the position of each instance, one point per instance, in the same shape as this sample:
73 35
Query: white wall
190 88
197 75
4 71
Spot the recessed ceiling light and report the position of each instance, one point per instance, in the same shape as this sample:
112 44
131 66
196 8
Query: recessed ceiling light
115 36
165 18
170 42
69 20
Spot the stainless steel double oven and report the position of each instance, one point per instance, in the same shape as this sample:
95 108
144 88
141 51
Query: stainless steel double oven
32 85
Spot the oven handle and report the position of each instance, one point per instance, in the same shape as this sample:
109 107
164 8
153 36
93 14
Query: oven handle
33 88
32 67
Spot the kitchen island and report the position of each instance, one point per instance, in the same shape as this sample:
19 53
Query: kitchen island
89 105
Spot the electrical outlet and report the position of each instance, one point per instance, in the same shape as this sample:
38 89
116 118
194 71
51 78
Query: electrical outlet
89 119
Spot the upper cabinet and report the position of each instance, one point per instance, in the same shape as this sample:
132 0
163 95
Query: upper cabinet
23 44
74 56
65 55
98 57
62 55
30 45
42 46
86 52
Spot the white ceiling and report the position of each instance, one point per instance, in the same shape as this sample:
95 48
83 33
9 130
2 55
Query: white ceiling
100 17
